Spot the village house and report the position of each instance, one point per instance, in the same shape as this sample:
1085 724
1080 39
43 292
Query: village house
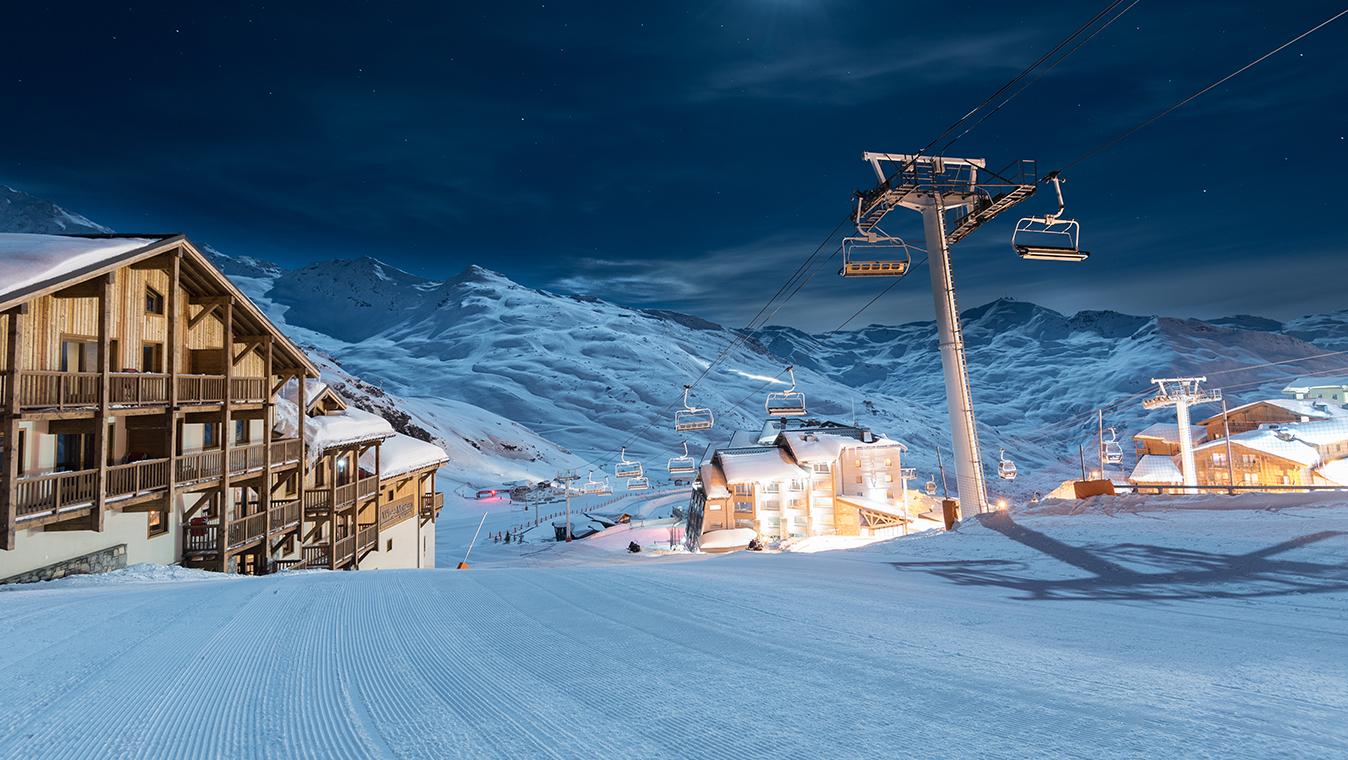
1331 389
803 478
149 412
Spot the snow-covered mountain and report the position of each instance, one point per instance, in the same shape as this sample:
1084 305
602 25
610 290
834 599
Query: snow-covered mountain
517 378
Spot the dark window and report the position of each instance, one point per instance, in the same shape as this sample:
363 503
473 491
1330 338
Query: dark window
240 432
154 301
152 357
79 355
208 437
74 451
23 452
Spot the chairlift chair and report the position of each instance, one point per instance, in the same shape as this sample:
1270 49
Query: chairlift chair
875 255
1113 453
638 484
692 417
1006 469
787 403
930 486
591 486
1049 237
627 468
683 465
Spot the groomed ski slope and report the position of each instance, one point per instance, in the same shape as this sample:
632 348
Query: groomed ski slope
1112 633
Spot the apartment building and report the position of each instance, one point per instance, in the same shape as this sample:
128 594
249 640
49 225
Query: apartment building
144 418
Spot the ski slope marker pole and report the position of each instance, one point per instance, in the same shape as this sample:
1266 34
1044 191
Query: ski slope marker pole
464 564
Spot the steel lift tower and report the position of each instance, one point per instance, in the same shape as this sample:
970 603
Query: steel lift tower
955 197
1182 393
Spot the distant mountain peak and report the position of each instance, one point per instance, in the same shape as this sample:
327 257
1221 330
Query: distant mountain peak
21 212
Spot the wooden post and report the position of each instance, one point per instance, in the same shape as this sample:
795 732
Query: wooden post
1230 463
101 420
226 435
378 494
265 491
332 511
303 468
172 358
9 457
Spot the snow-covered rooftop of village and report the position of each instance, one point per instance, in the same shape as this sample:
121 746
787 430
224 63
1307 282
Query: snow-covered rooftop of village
26 260
290 391
712 480
1169 432
757 466
1153 468
1335 471
1305 383
1311 408
402 454
811 446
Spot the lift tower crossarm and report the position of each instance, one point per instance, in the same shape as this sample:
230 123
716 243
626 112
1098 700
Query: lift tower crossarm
1182 393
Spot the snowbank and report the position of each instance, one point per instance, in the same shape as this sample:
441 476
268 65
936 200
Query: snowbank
732 538
27 260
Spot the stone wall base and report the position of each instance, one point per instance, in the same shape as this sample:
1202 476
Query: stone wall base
101 561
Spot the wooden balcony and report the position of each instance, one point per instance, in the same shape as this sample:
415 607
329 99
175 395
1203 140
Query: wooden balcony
347 496
246 530
285 515
60 391
43 495
202 538
201 466
431 504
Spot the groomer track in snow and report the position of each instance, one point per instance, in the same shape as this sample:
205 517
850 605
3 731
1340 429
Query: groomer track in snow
1172 632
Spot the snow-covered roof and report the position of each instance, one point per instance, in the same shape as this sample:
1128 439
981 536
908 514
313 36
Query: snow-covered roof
1169 432
1154 468
810 446
743 438
28 260
713 482
402 454
758 465
1335 471
1301 407
1305 383
351 426
875 505
1319 432
1267 441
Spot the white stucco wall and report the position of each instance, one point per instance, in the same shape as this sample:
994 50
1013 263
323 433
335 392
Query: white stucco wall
405 552
37 548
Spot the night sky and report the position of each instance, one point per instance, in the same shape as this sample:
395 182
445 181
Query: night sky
689 154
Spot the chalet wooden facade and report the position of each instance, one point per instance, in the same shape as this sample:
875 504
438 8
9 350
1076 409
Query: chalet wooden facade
139 412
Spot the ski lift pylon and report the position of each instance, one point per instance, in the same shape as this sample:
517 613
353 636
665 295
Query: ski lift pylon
692 417
682 465
1049 237
1006 469
787 403
627 468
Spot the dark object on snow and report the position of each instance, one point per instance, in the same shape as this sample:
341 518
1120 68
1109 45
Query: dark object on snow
507 538
755 545
634 547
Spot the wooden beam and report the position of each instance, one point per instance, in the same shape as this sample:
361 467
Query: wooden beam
264 492
9 456
249 345
101 430
206 312
211 300
175 265
226 440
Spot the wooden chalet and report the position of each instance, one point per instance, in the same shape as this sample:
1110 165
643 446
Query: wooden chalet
140 420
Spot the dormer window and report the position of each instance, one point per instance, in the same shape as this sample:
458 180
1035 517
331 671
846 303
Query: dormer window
154 301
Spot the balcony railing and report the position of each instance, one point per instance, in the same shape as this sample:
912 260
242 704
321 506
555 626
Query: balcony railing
346 495
137 478
136 389
285 451
431 504
247 529
58 390
202 537
367 537
54 493
345 550
285 514
49 389
200 465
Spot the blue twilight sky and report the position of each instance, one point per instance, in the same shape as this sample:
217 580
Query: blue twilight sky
689 154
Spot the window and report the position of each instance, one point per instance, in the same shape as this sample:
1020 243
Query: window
79 355
1251 478
209 439
154 301
889 462
74 451
1218 459
821 468
714 506
152 357
744 489
889 477
240 432
744 523
797 485
158 522
744 506
389 546
23 452
773 487
859 478
1248 460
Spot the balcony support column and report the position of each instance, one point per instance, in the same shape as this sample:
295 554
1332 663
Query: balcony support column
171 416
9 456
97 519
226 434
267 420
332 511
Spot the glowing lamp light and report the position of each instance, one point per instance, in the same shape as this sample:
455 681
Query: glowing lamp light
1001 504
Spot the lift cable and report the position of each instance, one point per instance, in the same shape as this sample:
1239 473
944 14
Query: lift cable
1110 143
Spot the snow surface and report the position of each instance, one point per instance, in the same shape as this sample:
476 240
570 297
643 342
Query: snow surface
730 538
1169 432
1155 468
1164 629
28 259
759 466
